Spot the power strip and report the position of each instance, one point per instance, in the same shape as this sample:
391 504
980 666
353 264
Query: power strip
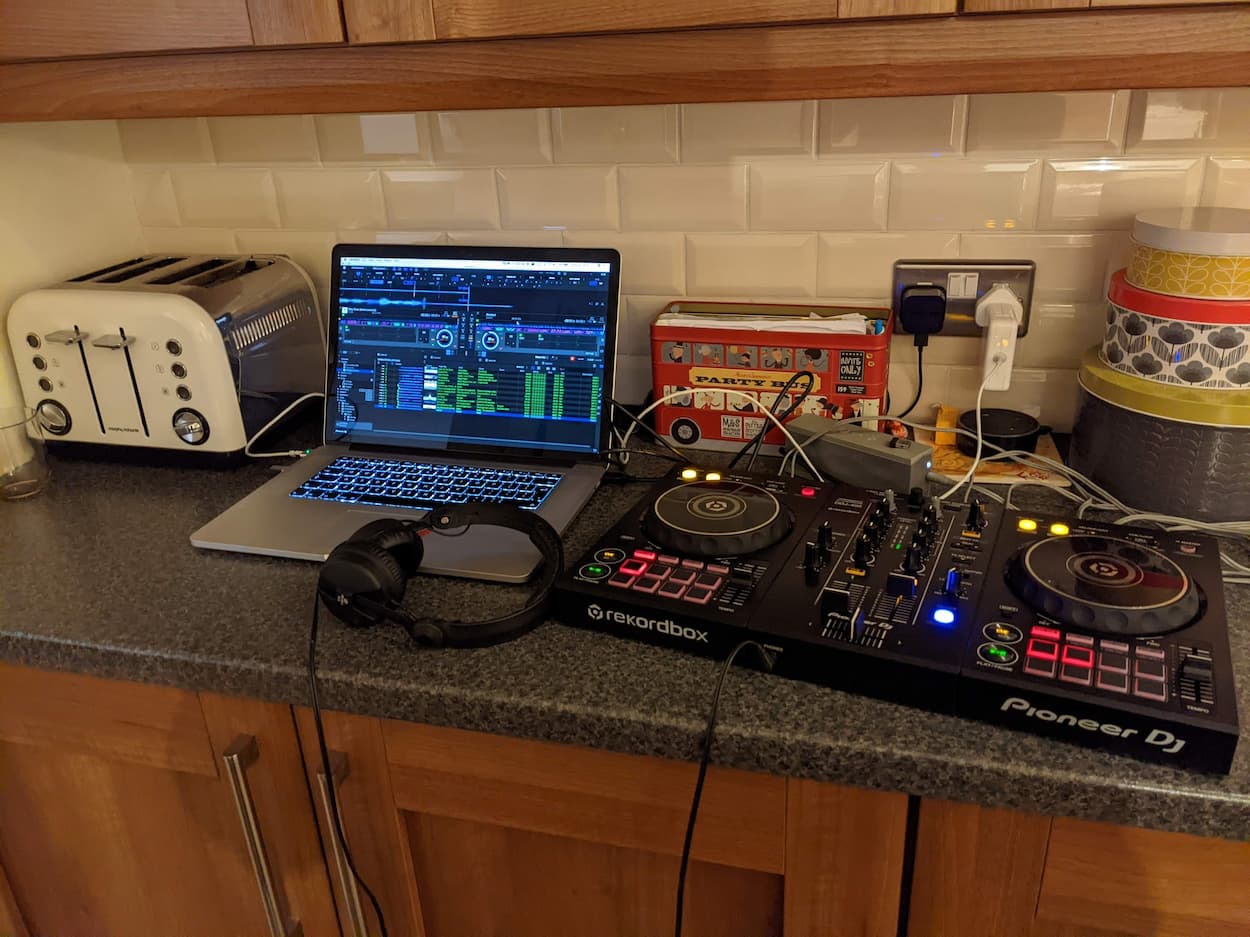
862 457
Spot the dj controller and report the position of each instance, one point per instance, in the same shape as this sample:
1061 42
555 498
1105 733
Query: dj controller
1108 636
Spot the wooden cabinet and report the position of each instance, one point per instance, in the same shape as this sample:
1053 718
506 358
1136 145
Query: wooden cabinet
465 834
983 873
477 19
118 815
39 29
388 20
1022 6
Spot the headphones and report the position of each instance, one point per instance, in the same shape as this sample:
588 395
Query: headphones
363 580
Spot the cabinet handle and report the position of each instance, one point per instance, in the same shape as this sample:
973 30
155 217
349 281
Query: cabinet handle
242 753
347 881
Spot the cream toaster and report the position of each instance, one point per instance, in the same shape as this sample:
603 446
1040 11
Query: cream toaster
169 353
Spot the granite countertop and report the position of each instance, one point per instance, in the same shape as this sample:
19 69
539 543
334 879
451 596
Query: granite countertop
99 577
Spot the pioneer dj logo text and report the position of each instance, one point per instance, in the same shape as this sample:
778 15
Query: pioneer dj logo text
658 625
1164 740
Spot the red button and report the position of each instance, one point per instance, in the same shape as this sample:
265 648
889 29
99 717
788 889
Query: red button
808 492
1078 656
648 555
1043 650
633 567
1050 634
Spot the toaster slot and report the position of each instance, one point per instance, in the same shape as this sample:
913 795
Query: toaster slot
132 273
103 270
86 369
231 271
184 274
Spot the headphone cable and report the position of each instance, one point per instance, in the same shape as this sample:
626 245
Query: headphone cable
768 659
336 824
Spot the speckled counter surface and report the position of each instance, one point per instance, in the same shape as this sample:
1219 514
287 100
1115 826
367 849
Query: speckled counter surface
97 576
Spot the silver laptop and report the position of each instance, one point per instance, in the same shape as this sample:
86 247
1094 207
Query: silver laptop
455 374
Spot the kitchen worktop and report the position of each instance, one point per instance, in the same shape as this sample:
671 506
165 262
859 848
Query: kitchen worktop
97 576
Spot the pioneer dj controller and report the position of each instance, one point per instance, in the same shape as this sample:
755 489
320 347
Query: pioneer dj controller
1107 636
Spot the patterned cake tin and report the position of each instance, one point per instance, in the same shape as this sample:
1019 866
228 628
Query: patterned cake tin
1202 253
1168 340
1174 450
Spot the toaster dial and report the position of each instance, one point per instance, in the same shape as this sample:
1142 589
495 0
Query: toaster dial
190 426
53 417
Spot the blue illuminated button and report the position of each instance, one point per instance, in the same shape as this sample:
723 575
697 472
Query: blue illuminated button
944 616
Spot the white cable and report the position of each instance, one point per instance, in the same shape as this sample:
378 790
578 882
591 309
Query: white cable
732 393
976 459
290 453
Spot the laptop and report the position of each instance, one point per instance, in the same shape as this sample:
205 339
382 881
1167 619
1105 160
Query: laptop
454 374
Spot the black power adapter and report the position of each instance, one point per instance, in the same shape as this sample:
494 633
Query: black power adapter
921 312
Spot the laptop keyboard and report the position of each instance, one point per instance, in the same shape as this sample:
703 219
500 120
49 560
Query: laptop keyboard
421 485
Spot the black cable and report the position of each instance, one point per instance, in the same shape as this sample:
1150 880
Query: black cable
336 825
919 383
637 422
767 659
758 439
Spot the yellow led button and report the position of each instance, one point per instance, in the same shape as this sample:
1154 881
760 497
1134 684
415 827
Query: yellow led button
689 474
712 476
1059 530
1026 524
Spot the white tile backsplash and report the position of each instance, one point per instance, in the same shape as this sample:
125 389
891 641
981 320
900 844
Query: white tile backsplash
1082 122
650 263
330 198
781 201
754 264
226 198
833 196
929 126
154 197
645 134
558 197
491 138
714 132
427 199
861 265
966 194
683 198
1227 183
1108 193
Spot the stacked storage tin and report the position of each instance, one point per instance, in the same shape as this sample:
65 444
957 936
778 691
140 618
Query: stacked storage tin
1164 420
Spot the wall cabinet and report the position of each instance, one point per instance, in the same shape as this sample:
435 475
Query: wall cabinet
40 29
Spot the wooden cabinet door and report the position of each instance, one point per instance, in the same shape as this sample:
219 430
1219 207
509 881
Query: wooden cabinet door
41 29
118 816
474 19
862 9
462 834
983 872
1022 6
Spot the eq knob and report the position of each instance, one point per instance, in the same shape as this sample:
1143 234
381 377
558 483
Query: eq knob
813 560
976 517
824 537
888 500
863 551
954 580
913 559
915 498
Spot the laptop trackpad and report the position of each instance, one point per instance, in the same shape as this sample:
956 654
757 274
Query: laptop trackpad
481 552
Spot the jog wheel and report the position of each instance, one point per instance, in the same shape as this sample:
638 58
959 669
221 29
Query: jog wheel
1105 585
717 519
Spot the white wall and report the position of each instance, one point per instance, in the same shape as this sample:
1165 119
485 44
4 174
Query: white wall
65 207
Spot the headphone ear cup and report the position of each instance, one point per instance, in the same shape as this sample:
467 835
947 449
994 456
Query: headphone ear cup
360 568
397 538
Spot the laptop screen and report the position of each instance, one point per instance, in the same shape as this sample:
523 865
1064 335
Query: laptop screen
484 347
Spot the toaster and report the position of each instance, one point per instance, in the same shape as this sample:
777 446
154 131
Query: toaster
170 353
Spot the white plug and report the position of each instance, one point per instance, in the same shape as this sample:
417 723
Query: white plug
1000 313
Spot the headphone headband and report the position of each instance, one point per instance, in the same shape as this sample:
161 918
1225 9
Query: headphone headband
363 580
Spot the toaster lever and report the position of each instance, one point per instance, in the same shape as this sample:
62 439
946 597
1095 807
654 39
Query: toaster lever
65 337
113 341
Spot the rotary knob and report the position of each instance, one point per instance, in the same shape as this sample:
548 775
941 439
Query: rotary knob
190 427
53 418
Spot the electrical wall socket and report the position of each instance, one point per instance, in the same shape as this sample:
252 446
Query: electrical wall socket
966 281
